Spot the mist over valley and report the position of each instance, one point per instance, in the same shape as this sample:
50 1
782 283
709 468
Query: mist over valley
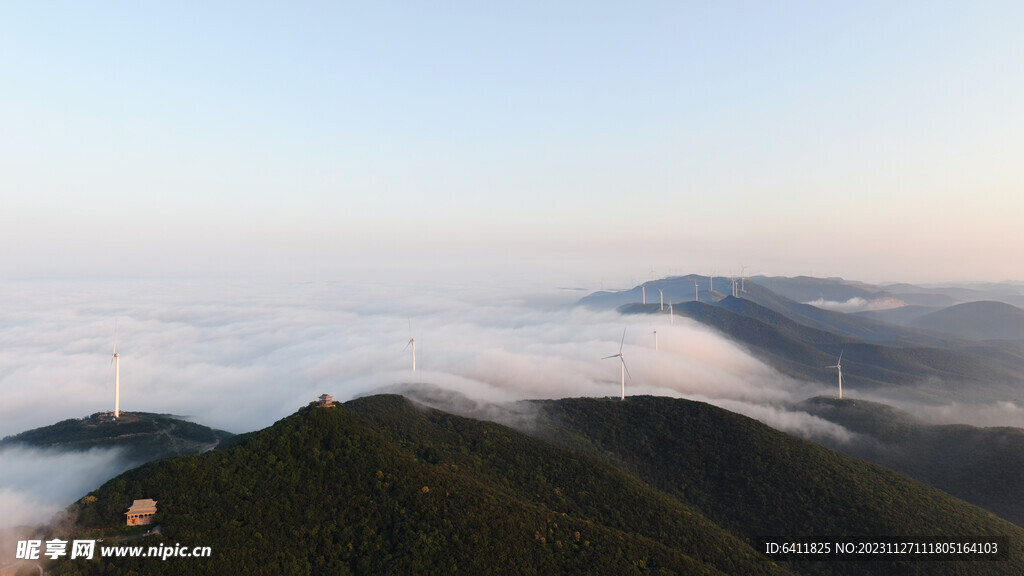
243 357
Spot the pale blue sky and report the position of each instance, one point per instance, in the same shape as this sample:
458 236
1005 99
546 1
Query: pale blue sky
572 141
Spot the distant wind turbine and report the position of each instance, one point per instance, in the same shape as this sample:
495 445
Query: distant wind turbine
411 342
662 294
671 314
839 368
696 292
116 361
643 290
622 361
655 339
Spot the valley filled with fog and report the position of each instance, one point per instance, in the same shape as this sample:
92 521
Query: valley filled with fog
239 357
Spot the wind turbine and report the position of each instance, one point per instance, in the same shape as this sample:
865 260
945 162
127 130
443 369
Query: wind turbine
655 339
116 361
662 294
622 361
411 342
671 314
643 290
696 293
839 367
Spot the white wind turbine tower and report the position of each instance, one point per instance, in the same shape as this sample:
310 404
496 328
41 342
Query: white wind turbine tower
696 292
655 339
116 361
643 290
839 368
662 294
622 361
411 342
671 314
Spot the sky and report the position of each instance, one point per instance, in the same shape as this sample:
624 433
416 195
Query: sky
570 143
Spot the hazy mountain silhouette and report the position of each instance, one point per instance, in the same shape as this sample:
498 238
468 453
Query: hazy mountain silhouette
809 289
984 320
801 340
902 316
804 352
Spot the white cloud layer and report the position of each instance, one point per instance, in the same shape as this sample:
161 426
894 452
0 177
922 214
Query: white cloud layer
857 304
239 357
36 483
1002 413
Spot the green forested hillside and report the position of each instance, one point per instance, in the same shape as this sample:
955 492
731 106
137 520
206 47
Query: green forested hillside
984 466
142 435
382 485
407 490
762 484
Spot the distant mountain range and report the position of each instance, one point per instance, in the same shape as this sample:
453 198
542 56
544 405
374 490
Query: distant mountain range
810 289
971 351
381 485
834 293
141 435
984 320
967 352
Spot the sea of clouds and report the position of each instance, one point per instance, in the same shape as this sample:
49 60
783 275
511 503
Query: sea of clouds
238 356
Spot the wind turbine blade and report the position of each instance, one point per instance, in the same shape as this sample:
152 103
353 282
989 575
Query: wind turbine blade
840 357
625 367
607 357
407 344
623 341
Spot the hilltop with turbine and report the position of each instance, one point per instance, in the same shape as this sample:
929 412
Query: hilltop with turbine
636 486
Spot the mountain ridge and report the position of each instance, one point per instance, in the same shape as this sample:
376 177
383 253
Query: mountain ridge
382 484
980 320
979 465
143 436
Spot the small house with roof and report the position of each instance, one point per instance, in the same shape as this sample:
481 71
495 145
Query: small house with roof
141 512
